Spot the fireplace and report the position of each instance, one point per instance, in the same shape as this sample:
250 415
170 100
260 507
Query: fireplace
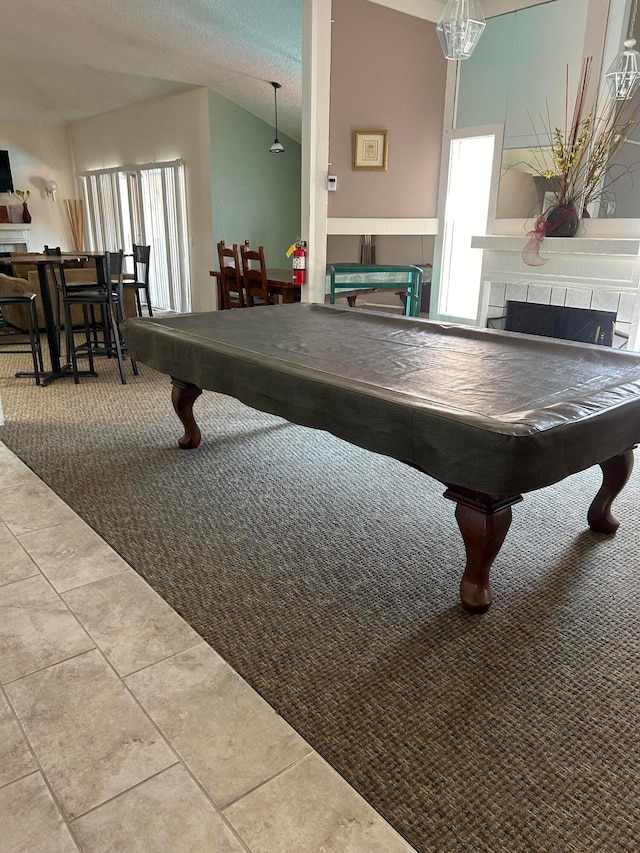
558 321
600 275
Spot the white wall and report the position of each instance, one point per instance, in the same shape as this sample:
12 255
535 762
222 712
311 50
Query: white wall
171 128
40 153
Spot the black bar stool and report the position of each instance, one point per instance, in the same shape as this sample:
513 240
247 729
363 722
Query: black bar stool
28 300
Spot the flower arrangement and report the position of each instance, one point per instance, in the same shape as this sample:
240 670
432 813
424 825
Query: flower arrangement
582 151
23 195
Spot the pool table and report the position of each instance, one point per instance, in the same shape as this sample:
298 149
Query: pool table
489 414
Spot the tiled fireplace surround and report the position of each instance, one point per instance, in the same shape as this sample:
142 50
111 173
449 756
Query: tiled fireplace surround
600 273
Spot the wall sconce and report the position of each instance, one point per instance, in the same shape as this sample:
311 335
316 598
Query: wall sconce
51 188
277 147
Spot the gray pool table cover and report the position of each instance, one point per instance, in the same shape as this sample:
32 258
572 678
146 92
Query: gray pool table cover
497 412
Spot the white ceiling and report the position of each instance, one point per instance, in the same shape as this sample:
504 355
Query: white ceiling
64 60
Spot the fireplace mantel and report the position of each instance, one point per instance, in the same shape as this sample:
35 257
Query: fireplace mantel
14 236
629 246
592 272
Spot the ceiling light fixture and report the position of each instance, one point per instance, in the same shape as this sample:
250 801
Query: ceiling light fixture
623 76
460 27
277 147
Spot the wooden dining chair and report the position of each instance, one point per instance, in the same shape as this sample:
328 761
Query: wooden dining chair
254 274
231 290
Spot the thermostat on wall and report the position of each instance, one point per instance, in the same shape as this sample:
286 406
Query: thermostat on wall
332 183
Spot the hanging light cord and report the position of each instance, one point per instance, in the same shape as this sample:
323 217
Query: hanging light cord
632 22
275 100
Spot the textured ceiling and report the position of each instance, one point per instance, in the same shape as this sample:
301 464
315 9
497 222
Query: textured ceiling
61 60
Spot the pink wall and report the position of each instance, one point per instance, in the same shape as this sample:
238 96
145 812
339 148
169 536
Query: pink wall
387 72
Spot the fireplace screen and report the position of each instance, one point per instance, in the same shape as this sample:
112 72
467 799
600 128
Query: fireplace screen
557 321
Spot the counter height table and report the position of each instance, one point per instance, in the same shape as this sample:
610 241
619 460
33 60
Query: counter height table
43 263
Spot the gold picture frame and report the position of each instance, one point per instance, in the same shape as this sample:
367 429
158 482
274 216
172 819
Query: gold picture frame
370 150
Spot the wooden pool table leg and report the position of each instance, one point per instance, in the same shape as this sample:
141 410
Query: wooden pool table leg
183 396
615 473
484 521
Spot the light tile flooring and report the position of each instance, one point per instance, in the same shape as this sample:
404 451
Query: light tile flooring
121 730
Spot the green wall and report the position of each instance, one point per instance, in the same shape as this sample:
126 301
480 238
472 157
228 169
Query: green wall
517 73
255 195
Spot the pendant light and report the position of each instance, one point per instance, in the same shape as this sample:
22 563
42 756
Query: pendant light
460 27
277 147
623 76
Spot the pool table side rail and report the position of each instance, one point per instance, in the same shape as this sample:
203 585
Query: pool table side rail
449 447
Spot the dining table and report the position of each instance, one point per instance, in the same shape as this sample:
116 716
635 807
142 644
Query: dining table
43 264
279 282
280 285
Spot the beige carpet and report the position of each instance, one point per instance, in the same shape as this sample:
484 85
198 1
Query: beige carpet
328 577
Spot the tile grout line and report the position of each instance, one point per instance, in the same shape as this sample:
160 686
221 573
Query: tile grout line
219 810
179 759
38 769
122 678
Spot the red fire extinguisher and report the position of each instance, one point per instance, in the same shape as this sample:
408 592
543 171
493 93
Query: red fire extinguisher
299 252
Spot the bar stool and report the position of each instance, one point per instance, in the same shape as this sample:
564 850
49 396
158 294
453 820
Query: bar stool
28 300
140 280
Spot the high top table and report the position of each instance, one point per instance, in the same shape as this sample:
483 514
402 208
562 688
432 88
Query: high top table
489 414
43 262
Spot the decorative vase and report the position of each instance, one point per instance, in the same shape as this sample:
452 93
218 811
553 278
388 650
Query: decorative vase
26 216
561 221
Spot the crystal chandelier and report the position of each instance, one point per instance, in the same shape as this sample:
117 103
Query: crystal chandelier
460 27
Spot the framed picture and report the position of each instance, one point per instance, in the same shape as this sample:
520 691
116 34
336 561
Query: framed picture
370 149
4 213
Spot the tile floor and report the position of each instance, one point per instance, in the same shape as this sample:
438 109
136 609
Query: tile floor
122 731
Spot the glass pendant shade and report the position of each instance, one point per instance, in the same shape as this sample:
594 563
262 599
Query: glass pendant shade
460 27
623 77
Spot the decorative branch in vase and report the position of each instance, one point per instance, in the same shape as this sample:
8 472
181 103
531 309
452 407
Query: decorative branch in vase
578 161
23 195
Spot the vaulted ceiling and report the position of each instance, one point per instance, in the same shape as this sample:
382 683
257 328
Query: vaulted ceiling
63 60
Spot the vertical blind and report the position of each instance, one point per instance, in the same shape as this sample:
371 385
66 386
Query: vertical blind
144 205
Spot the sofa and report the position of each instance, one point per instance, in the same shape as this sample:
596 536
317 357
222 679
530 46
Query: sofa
16 315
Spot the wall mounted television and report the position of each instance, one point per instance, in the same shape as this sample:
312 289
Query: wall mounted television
6 181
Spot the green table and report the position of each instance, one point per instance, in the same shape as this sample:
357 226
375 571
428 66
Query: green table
358 277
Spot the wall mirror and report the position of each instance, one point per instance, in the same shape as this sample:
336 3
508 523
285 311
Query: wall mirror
518 76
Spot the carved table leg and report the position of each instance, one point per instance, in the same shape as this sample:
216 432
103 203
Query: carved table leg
483 521
615 473
183 396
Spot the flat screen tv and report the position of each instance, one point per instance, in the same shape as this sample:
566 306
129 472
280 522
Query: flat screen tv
6 181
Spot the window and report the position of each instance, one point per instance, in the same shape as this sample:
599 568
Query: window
466 211
144 205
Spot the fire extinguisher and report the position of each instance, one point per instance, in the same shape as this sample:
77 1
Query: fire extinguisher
299 252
